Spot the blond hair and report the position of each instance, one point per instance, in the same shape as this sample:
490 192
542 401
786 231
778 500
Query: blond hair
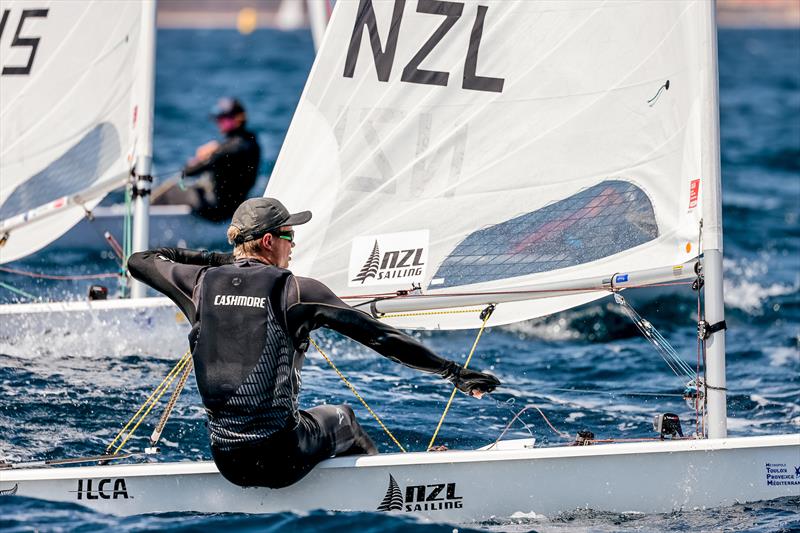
245 249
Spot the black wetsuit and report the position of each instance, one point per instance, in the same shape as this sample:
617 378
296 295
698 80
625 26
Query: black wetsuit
250 327
226 178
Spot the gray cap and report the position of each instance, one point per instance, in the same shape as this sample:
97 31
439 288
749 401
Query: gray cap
257 216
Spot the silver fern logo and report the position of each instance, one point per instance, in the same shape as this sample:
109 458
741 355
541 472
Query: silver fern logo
433 497
391 259
393 501
9 492
370 268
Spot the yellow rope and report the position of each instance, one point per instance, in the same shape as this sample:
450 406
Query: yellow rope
151 401
425 313
150 408
181 366
357 395
486 316
173 399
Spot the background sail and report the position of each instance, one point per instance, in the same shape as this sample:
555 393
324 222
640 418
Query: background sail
487 145
70 117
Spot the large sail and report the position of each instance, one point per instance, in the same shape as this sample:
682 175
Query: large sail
72 123
491 145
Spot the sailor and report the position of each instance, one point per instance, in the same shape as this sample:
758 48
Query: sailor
227 170
251 319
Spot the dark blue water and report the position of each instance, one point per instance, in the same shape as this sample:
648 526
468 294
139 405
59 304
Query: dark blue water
65 394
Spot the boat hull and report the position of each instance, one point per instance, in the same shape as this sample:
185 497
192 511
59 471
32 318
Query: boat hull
454 486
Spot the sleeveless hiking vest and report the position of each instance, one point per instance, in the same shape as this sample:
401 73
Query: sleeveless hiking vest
247 369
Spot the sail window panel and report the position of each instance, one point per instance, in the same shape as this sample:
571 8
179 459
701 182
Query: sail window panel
76 170
600 221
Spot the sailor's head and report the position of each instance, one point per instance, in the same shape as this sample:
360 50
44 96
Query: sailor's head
262 228
229 114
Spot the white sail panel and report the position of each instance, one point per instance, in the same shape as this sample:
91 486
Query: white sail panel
529 141
70 82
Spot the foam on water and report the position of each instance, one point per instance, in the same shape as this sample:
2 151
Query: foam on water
747 287
155 333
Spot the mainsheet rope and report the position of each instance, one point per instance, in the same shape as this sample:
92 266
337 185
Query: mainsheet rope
184 362
156 435
357 395
485 315
184 367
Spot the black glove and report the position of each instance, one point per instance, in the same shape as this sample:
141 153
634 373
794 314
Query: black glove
467 380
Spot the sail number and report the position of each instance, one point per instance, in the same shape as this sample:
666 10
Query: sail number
384 55
32 43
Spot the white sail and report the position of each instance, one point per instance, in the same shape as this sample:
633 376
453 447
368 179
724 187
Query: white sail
72 117
487 145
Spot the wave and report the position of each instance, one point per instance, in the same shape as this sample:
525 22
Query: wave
26 513
744 289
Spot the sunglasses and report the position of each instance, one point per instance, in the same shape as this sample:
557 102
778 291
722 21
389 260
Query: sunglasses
285 235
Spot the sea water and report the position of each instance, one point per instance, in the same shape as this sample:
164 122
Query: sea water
64 392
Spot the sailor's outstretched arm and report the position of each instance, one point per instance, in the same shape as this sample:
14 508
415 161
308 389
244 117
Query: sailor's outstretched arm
174 271
230 148
310 305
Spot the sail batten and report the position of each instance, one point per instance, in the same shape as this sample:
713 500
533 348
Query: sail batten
529 143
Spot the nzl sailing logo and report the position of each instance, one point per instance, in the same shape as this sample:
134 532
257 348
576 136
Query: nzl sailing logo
433 497
105 489
389 259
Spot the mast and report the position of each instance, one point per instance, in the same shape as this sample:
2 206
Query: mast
318 13
144 159
712 237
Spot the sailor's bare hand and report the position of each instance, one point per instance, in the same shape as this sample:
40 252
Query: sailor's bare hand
477 393
205 151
